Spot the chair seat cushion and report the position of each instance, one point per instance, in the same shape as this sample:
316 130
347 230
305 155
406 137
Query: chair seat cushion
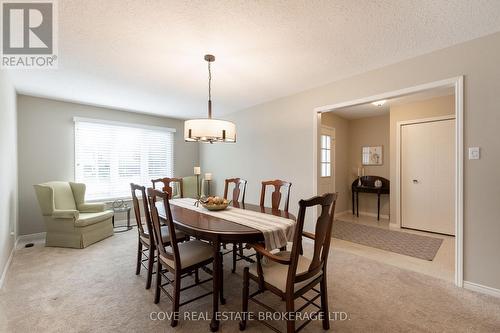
86 219
276 274
165 234
191 253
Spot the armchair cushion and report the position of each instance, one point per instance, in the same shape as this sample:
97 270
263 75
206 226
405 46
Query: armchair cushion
66 214
95 207
276 274
78 190
63 195
86 219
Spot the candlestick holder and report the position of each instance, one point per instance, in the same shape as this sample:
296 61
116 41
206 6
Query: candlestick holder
197 202
208 186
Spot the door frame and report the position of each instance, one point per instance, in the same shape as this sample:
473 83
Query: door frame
458 84
332 156
399 127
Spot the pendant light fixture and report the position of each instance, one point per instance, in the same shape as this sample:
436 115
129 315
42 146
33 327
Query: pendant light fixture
209 130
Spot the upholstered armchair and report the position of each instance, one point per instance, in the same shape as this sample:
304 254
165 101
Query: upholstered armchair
69 220
190 188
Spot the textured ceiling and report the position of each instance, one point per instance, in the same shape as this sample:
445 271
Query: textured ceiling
370 110
147 56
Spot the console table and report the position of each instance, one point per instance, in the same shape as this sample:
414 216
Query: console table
368 186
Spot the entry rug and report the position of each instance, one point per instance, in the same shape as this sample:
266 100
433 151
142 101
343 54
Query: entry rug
417 246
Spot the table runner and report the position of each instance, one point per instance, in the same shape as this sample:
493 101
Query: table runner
276 230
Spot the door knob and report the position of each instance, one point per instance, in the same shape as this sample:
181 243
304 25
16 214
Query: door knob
415 181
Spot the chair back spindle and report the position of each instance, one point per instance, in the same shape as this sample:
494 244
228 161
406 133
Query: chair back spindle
153 195
322 237
167 187
137 211
238 184
276 194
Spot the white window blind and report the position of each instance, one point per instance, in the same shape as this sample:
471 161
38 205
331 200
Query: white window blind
109 156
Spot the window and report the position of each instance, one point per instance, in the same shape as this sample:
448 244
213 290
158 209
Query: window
111 155
326 167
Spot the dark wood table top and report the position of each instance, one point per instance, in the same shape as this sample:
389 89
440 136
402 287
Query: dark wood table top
209 227
368 185
369 189
218 230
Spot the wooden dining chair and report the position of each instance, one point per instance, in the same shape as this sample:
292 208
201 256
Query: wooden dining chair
146 245
179 259
166 181
238 195
290 275
276 194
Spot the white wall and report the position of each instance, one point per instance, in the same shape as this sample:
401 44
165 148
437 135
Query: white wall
8 171
46 147
275 139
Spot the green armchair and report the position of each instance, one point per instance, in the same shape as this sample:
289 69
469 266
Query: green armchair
69 220
189 187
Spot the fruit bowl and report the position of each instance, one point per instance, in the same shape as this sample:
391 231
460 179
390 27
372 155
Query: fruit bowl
215 203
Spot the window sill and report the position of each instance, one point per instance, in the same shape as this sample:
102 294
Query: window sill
109 200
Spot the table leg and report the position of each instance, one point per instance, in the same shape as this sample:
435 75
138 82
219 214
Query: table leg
352 202
357 204
378 207
128 220
214 324
221 279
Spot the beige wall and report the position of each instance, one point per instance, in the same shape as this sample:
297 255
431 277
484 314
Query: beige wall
350 136
342 158
275 139
371 131
8 171
435 107
46 147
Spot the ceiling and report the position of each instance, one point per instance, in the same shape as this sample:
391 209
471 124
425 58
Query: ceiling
147 56
370 110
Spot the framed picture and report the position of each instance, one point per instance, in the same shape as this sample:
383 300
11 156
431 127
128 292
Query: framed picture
372 155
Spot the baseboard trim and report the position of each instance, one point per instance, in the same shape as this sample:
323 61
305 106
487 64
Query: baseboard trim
341 213
7 264
382 216
482 289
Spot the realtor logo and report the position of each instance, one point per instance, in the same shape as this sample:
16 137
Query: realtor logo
28 34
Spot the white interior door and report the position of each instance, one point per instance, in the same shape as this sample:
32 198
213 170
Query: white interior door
428 176
326 153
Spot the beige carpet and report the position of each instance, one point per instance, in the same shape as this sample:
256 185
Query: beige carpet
422 247
95 290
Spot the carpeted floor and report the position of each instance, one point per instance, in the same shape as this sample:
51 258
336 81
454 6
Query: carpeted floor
95 290
418 246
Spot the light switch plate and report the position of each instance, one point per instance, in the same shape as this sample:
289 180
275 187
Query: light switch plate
474 153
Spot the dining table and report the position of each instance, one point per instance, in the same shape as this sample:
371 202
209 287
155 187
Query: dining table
217 230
